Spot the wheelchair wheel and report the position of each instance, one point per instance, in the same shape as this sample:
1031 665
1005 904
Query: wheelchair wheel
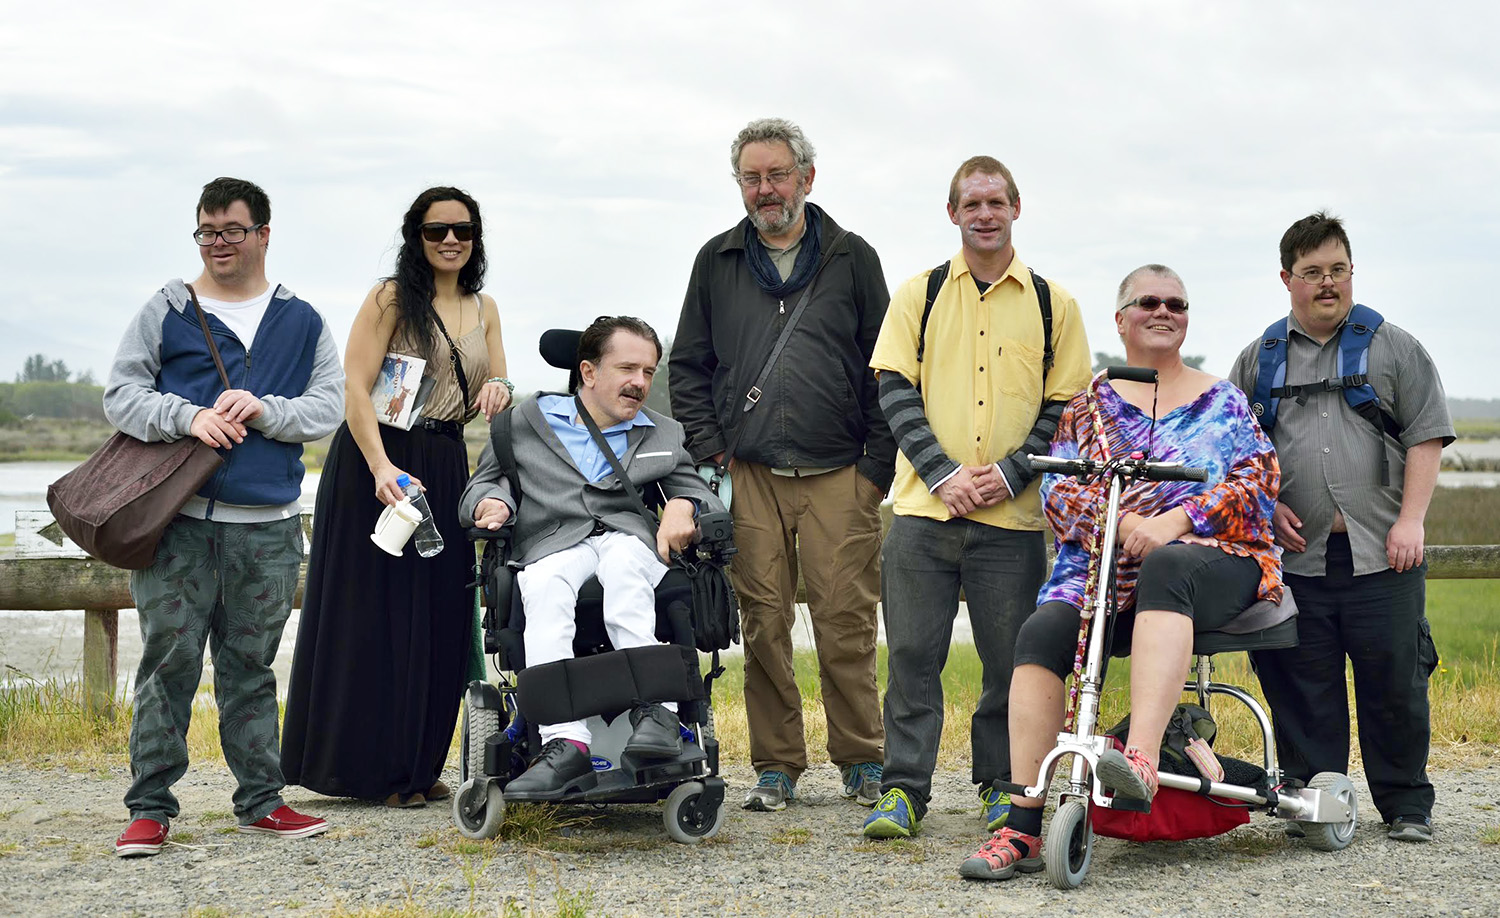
1069 845
1332 836
478 725
479 818
686 821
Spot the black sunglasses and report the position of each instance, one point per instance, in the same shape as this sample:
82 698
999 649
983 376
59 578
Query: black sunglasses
437 232
1175 304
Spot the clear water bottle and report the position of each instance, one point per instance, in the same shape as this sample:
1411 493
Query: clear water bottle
427 538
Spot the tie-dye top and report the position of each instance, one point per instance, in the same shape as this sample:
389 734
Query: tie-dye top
1233 507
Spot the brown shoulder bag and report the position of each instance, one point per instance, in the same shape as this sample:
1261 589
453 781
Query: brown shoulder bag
117 503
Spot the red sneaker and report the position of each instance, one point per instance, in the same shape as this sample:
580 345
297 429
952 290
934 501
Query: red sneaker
143 837
288 823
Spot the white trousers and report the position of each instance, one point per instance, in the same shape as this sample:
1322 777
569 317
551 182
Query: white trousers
629 573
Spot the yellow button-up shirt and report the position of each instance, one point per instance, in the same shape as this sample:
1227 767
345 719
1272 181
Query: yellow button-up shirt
981 376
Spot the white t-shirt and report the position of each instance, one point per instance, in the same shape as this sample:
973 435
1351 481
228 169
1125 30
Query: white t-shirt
243 317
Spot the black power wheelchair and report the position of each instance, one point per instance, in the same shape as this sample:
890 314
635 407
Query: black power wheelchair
695 610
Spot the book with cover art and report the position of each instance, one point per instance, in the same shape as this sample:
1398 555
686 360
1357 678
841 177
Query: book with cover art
400 390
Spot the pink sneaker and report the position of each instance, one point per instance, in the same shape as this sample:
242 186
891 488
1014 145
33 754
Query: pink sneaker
1003 855
288 823
143 837
1129 774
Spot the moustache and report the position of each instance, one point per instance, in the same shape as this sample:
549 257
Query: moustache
763 200
634 392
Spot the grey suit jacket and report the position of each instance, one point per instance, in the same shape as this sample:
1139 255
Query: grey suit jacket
558 505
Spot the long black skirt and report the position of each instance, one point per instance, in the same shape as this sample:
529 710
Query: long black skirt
384 642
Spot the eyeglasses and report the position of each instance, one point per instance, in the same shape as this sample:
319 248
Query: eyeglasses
1176 305
437 232
755 179
1340 273
234 235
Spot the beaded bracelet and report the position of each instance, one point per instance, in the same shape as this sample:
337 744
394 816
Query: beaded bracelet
509 386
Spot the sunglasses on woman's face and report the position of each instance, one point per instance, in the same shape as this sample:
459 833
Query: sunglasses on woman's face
1176 305
437 232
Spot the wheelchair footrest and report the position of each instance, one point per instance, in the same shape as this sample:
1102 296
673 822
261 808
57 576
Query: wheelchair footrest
608 684
1130 805
1009 787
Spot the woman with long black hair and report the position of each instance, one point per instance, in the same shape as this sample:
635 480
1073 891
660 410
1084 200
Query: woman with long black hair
384 644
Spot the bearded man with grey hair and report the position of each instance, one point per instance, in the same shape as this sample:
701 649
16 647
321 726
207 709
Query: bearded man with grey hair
770 377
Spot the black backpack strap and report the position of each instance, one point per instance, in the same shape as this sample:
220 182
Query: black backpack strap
1044 301
505 450
934 283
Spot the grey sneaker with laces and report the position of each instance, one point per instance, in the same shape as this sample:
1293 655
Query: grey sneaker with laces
771 792
862 782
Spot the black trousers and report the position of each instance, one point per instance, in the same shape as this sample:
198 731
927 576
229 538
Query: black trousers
1379 621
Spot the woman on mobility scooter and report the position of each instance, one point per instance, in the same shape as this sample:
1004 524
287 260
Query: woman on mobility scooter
1191 553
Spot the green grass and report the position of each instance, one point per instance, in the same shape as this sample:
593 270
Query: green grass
1464 516
1477 428
1464 693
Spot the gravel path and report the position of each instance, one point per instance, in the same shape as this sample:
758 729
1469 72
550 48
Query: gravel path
57 831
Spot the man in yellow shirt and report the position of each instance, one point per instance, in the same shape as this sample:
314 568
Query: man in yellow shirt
975 360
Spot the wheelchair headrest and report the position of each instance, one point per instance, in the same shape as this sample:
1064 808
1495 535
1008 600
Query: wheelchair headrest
559 347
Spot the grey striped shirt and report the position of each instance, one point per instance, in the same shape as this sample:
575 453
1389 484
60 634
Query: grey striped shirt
1330 456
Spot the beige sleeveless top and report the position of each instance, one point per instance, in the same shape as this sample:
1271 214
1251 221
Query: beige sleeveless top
445 403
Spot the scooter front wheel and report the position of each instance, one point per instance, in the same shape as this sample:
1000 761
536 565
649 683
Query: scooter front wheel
1069 846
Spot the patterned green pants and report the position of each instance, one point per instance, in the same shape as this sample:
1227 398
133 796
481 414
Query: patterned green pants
230 586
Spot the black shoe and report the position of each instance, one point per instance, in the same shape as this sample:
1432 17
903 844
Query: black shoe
1413 828
560 769
657 734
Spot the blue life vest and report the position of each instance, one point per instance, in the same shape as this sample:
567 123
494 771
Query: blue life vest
1353 369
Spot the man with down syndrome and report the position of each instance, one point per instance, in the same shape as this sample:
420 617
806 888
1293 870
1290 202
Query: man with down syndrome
577 520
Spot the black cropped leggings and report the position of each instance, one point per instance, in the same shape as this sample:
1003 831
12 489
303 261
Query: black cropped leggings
1206 584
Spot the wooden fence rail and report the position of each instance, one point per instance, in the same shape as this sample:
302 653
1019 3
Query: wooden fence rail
50 573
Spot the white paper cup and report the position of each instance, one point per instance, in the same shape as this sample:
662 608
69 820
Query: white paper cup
394 528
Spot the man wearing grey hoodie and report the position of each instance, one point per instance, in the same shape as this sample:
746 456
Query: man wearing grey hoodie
226 569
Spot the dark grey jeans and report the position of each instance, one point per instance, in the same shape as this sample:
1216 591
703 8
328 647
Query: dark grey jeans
230 586
923 565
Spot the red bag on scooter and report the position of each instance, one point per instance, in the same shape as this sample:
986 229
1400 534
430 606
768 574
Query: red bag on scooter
1176 815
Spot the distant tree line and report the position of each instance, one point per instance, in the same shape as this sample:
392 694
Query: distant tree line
47 389
1104 359
38 368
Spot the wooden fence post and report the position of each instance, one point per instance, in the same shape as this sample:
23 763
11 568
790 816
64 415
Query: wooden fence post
101 642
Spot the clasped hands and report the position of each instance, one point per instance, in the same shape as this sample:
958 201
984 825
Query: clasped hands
223 425
971 488
675 532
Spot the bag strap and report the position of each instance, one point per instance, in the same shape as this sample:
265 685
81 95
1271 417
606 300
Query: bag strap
752 395
614 463
1044 302
935 281
208 336
458 369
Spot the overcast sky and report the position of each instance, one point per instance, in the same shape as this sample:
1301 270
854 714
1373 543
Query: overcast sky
595 137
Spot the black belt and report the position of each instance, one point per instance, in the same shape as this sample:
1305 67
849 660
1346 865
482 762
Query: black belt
599 528
447 428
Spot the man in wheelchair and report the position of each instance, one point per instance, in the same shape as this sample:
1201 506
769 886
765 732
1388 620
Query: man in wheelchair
573 519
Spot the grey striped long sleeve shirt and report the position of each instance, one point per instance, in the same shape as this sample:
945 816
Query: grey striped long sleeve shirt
902 403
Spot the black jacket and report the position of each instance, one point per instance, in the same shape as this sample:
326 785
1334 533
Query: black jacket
820 407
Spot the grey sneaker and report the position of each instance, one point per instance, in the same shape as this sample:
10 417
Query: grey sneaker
862 782
1412 828
771 792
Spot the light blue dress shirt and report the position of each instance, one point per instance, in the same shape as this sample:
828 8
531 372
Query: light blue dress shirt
562 416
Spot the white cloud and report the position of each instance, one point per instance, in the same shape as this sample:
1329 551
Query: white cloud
595 137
